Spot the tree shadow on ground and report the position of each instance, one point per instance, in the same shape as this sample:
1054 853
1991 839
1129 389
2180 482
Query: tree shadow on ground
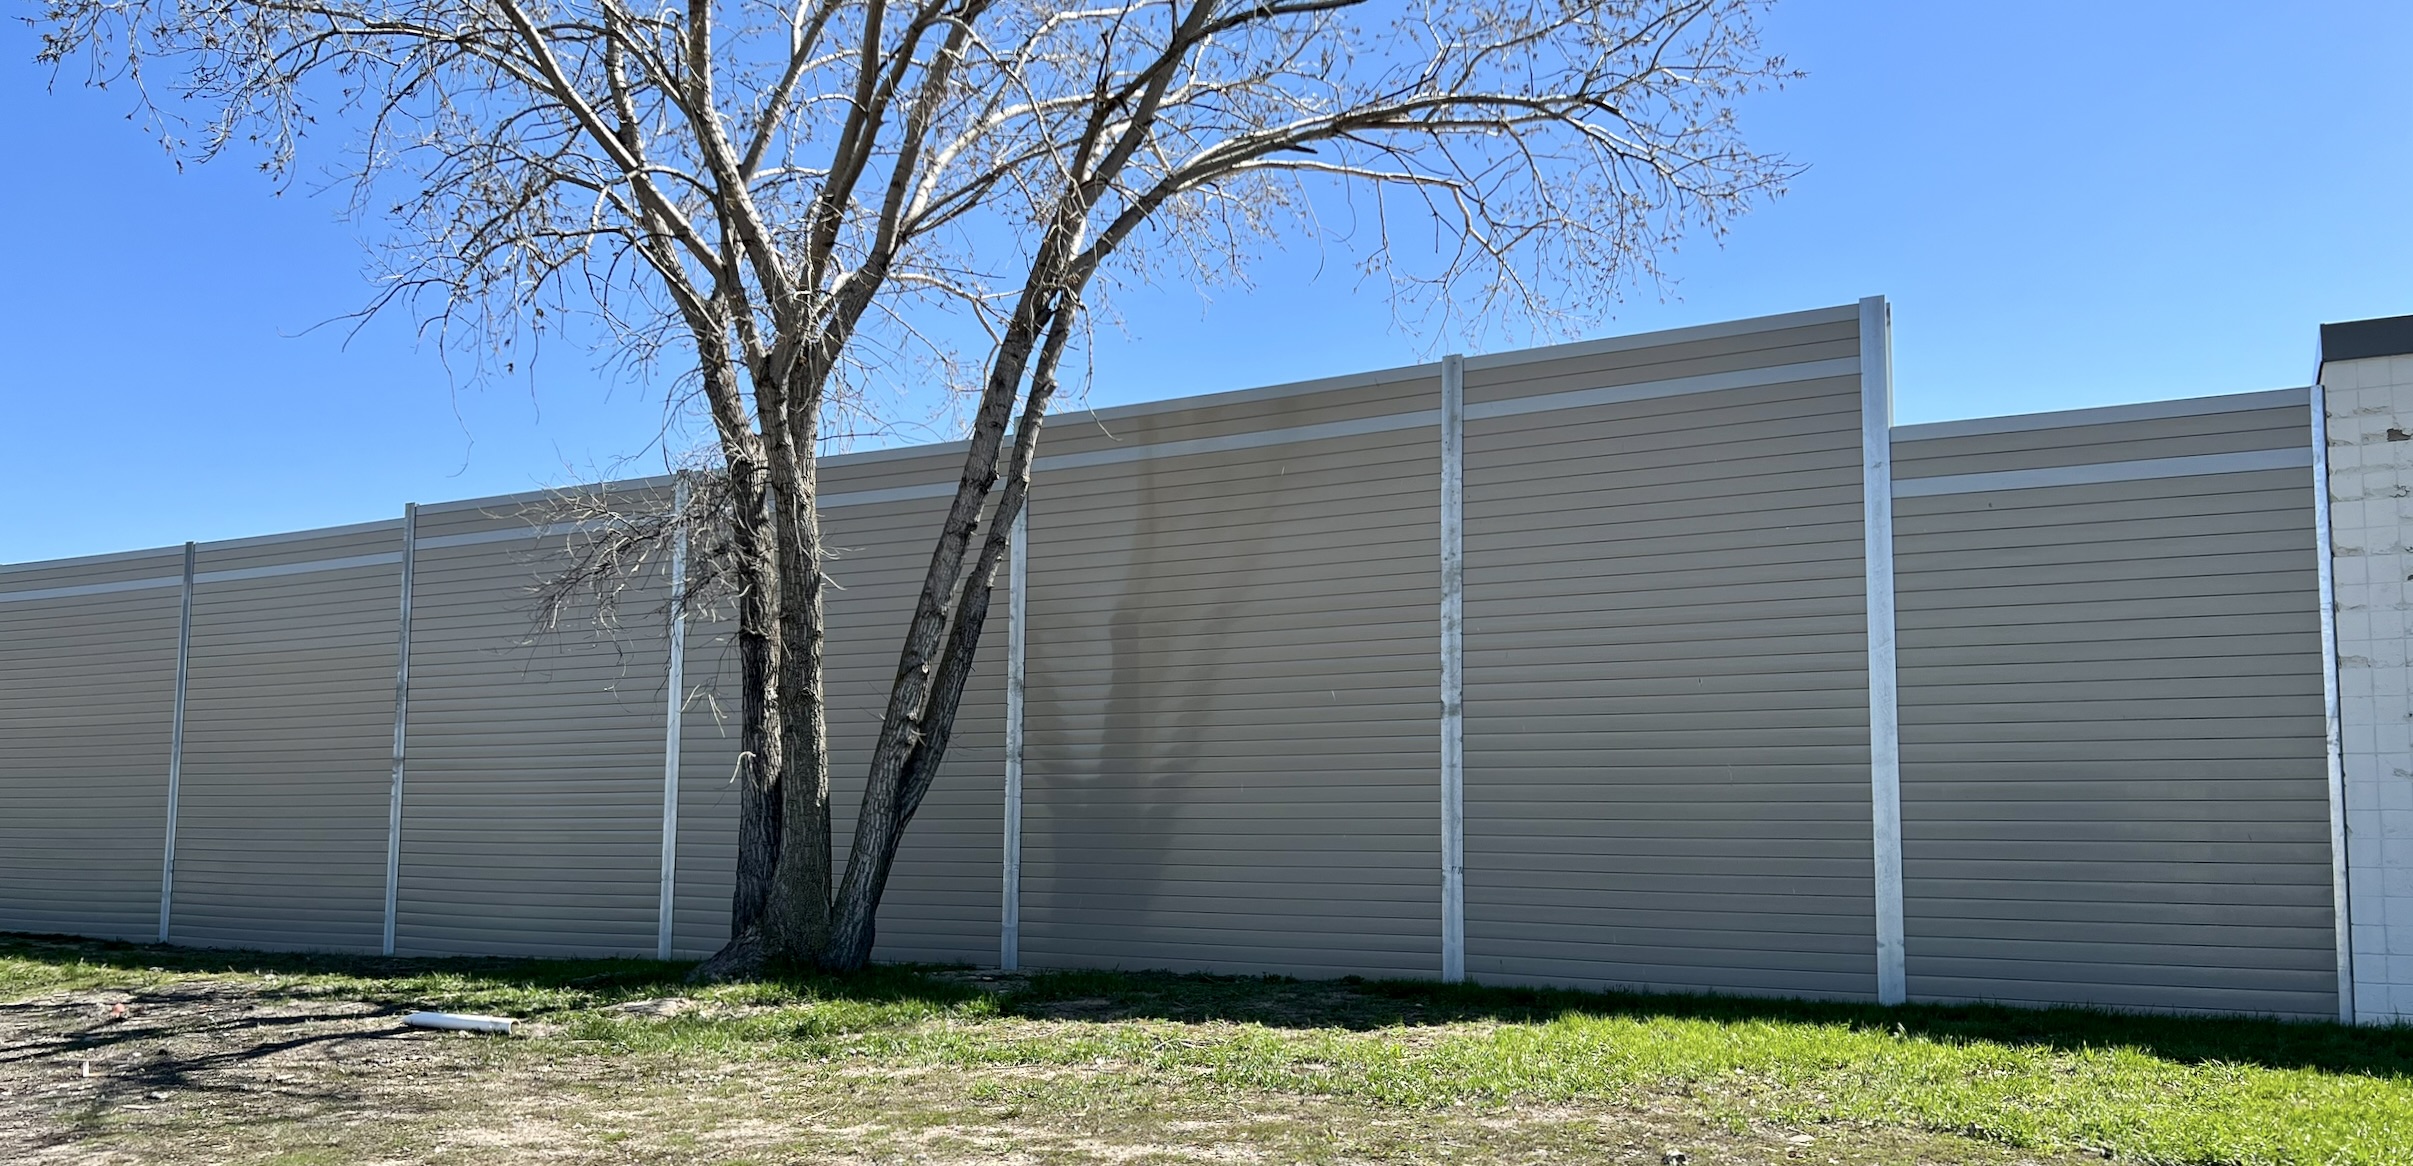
1368 1005
539 986
525 986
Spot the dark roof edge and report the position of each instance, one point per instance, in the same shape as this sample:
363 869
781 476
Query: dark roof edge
2359 339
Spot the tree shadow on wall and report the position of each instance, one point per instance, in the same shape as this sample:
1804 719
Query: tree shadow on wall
1115 758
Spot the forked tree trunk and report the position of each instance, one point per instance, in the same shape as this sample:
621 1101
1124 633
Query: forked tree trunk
855 917
888 810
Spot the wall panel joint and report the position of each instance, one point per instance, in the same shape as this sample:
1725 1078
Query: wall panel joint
402 704
2324 547
184 663
672 737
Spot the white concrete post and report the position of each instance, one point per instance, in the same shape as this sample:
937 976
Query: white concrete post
1884 723
672 733
1453 668
1017 640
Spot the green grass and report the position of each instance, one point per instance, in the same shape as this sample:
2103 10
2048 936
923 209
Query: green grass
2150 1088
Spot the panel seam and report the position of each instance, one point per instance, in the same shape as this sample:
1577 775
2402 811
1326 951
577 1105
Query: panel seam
2100 473
402 700
184 661
2332 713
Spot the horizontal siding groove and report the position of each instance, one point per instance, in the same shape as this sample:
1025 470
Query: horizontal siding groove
84 589
2100 472
2295 398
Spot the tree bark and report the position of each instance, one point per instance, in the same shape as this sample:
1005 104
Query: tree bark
797 921
755 567
881 828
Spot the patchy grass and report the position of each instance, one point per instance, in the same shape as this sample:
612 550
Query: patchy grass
947 1065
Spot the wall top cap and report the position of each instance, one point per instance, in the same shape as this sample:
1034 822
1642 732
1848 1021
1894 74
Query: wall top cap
2358 339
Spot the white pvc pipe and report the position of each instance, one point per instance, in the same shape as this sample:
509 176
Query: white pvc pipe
459 1022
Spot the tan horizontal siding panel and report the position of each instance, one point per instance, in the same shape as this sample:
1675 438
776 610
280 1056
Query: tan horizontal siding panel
2275 776
2200 433
1593 855
2216 823
341 543
2267 854
1777 474
2046 505
1563 444
1941 539
2280 663
1664 362
1343 540
1173 605
2154 998
1075 432
2019 899
1216 954
1978 906
1547 642
289 726
1342 576
2035 880
164 563
1789 554
1692 517
2245 570
2147 547
1939 535
1340 467
2100 608
2032 505
2145 944
2175 965
1625 969
1089 756
938 469
532 800
1646 610
85 711
1094 675
1270 605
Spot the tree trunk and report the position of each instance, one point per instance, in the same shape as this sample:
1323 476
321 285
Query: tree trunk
755 570
859 908
796 924
888 807
759 655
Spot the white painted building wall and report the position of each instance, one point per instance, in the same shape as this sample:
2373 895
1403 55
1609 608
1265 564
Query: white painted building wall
2371 503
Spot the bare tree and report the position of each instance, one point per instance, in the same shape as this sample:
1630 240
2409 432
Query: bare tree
781 196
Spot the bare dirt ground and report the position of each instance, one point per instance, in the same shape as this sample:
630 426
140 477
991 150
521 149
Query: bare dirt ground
211 1071
77 1066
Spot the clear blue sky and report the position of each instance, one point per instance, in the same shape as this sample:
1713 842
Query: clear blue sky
2070 204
